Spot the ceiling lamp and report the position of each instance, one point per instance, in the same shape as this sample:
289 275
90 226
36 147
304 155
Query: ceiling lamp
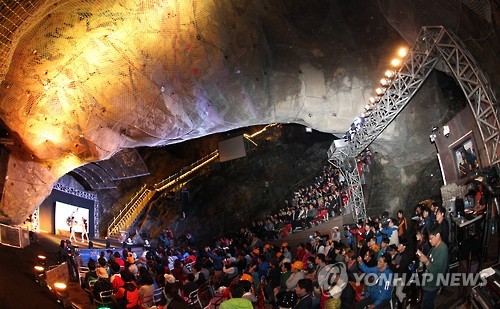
384 82
402 52
389 73
396 62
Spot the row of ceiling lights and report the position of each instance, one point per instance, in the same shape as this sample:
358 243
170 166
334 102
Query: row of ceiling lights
385 82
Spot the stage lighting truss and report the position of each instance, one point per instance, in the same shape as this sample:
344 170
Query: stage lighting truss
433 45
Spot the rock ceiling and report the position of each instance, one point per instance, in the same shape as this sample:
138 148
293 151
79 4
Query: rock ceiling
82 79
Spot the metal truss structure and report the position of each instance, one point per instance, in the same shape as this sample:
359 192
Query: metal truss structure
433 45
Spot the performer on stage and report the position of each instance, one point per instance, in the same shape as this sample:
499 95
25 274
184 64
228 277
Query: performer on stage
84 230
72 226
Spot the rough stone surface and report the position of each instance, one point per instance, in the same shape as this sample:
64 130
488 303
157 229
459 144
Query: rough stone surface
82 79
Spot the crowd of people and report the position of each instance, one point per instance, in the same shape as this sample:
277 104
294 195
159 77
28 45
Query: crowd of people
245 270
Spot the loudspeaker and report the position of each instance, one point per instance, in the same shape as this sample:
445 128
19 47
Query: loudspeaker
349 164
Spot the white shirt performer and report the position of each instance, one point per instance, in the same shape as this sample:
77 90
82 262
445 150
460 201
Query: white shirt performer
84 230
72 226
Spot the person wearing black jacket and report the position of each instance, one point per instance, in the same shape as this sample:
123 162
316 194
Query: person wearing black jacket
443 223
303 290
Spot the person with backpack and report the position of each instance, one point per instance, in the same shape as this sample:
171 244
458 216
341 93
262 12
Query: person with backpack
128 295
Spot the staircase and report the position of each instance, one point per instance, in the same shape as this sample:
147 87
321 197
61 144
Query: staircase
129 214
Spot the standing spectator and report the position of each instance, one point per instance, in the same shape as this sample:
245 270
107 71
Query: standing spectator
336 237
70 259
427 222
443 223
303 289
391 232
351 265
436 264
379 295
273 279
402 224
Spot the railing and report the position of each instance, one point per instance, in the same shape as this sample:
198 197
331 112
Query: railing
166 183
134 208
112 228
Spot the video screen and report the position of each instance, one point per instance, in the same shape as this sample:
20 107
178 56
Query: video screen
64 213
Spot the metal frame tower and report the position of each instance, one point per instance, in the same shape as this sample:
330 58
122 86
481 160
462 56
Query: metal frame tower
434 46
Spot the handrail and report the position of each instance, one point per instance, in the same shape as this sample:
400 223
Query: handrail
128 213
125 209
179 174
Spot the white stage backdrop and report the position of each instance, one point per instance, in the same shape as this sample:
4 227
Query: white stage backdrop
64 212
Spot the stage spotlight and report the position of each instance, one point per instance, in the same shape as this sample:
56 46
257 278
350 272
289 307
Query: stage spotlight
379 91
384 82
396 62
402 52
389 73
309 130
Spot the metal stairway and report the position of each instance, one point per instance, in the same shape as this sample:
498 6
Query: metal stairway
129 214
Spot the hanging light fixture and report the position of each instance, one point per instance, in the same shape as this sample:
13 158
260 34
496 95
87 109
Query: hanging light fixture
402 52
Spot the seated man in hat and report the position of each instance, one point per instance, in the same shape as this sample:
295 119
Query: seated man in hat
297 274
103 283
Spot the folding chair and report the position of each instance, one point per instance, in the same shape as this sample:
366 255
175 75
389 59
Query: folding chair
194 300
157 296
82 271
105 299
